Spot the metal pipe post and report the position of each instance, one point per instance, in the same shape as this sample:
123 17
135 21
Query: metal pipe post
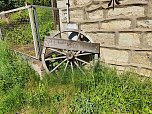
34 33
68 13
1 36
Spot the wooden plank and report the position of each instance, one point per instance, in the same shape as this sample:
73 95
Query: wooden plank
54 25
72 45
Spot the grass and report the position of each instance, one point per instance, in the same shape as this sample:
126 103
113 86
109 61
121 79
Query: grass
101 91
14 74
113 94
18 30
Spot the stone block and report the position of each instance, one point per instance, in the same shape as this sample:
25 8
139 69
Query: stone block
150 8
92 6
120 68
63 15
63 26
144 24
114 56
130 11
129 39
116 25
133 1
81 2
61 4
148 38
145 72
142 58
72 2
89 26
103 38
131 69
76 15
96 14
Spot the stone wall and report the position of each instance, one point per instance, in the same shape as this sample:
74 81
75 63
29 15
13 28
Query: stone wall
125 33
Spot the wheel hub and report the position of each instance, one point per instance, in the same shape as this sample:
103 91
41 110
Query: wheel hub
69 55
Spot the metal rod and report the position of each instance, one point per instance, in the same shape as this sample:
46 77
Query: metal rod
68 13
53 16
1 36
52 8
14 10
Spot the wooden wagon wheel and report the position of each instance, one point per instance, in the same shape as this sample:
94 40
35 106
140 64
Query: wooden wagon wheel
66 50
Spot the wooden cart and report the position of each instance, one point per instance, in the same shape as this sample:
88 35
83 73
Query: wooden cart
67 50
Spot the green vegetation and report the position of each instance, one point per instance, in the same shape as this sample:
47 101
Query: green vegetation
15 31
22 91
101 91
10 4
14 74
110 93
18 29
45 21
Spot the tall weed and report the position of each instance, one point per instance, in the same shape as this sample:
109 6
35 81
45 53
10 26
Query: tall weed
14 74
113 94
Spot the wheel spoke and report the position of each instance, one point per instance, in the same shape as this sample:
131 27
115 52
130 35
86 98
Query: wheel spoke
66 66
79 35
78 52
59 51
58 66
71 66
79 67
83 61
83 54
49 59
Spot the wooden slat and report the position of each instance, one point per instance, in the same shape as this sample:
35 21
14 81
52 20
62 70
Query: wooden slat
72 45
